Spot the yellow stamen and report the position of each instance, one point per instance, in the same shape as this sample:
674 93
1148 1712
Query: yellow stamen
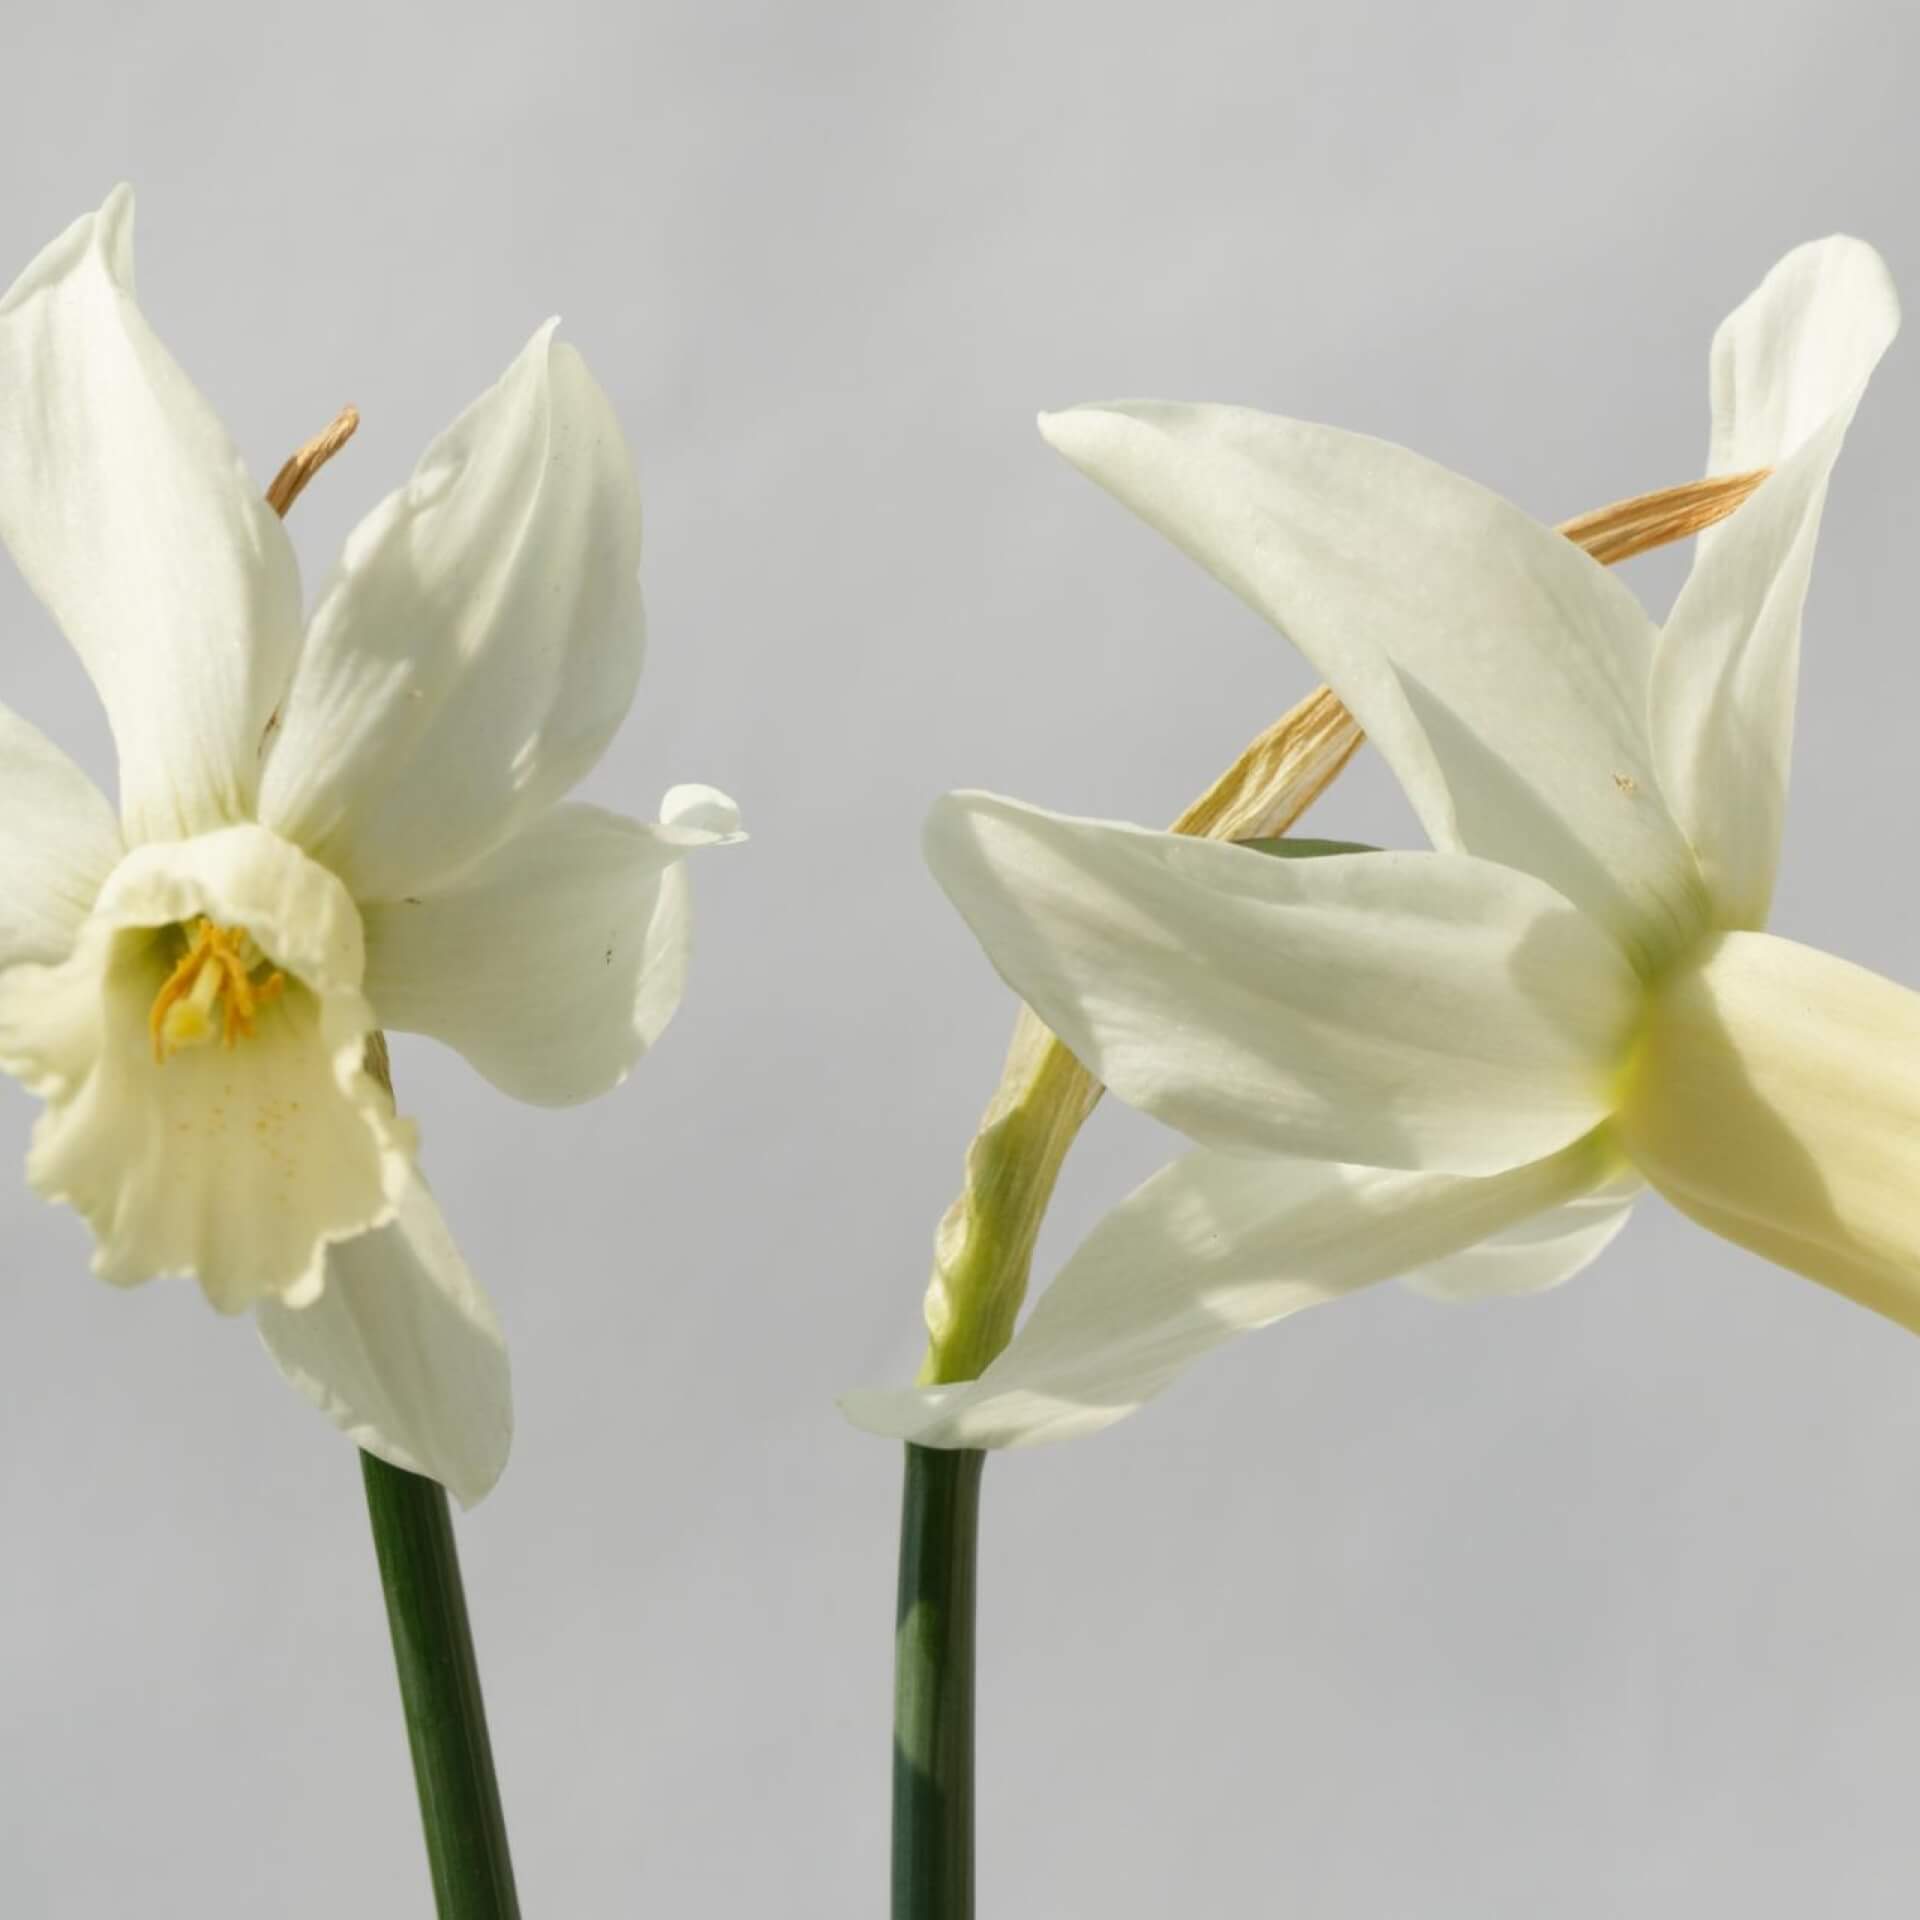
217 970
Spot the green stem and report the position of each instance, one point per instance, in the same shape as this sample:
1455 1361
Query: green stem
440 1690
933 1687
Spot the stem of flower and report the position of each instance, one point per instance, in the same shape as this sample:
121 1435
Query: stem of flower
933 1686
440 1690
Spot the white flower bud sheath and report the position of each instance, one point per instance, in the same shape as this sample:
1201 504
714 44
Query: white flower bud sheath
327 827
1460 1067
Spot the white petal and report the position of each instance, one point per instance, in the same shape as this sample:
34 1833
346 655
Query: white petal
479 645
1502 673
1789 369
1395 1009
555 963
403 1353
237 1166
131 515
1775 1098
1211 1247
58 843
1797 351
702 810
1539 1252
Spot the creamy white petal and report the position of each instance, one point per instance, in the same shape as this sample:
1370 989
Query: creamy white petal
1539 1252
1797 351
1501 672
237 1166
403 1353
131 515
1210 1247
1775 1097
1394 1009
558 960
1789 369
701 809
479 645
58 844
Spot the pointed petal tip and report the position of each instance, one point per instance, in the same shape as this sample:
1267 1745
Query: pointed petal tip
704 809
1799 347
948 827
107 231
939 811
113 234
524 512
1858 268
1862 263
535 360
1073 430
975 800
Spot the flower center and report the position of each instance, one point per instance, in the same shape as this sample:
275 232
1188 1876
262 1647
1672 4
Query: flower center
222 970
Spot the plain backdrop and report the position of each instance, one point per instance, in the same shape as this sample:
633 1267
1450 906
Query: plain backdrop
1600 1603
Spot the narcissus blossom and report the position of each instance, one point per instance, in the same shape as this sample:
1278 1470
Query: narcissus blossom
1460 1066
326 827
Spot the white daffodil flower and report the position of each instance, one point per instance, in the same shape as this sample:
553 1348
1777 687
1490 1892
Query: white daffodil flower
1460 1066
324 829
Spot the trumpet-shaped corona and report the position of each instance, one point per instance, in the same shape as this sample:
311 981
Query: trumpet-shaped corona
1774 1096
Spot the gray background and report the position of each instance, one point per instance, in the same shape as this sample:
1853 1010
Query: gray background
1598 1604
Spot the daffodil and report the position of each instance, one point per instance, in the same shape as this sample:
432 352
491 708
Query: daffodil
326 827
1460 1066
